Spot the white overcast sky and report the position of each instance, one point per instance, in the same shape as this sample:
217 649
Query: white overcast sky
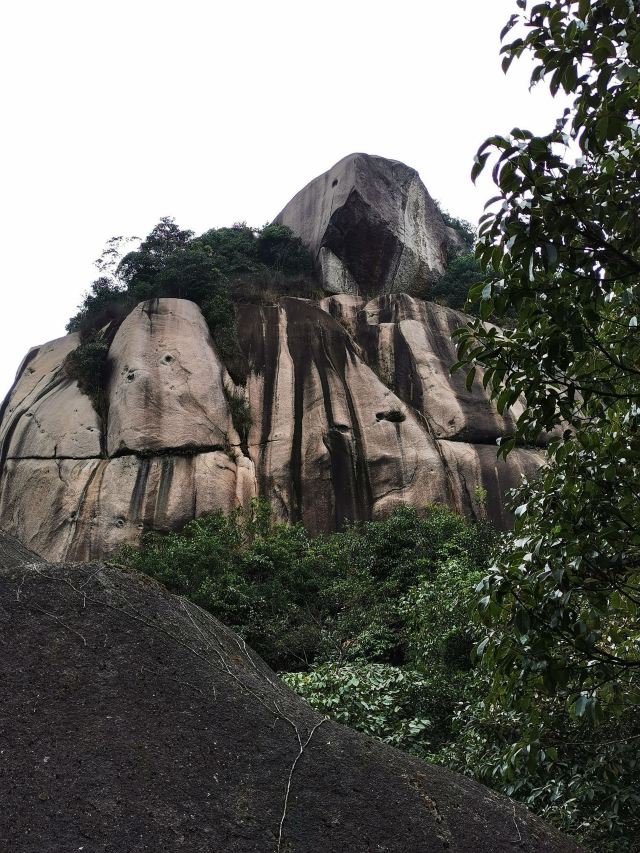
117 112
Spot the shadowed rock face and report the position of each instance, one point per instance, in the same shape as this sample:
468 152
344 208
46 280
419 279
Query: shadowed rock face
136 721
372 227
354 413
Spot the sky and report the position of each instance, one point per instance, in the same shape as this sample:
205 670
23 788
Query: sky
115 114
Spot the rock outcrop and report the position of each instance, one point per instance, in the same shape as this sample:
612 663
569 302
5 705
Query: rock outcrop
353 407
167 389
372 227
136 721
353 413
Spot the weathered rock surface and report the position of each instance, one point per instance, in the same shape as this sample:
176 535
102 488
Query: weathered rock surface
78 509
330 441
354 410
167 383
354 413
44 415
135 721
372 227
408 341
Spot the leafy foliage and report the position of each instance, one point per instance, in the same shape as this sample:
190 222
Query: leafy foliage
463 269
562 602
241 416
382 701
88 365
464 230
371 622
462 274
585 781
215 270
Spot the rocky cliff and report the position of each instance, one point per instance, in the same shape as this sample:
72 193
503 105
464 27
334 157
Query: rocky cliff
136 721
352 406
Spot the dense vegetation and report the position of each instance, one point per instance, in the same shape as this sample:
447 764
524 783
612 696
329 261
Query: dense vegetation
214 270
464 270
374 627
561 245
462 274
370 624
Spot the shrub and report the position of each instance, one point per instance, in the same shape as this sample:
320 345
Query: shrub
88 365
385 702
241 416
214 270
386 599
452 289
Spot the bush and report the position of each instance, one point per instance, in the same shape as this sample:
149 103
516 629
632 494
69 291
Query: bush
106 302
382 701
215 270
383 602
241 416
89 366
452 289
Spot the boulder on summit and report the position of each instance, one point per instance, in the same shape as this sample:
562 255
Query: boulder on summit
372 227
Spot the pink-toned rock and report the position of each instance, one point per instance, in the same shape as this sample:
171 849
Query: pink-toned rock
330 441
372 227
167 383
354 413
480 480
79 510
409 343
45 415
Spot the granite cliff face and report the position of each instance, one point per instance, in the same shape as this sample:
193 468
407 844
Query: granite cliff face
353 408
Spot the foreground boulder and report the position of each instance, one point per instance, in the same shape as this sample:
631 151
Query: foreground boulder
372 227
132 720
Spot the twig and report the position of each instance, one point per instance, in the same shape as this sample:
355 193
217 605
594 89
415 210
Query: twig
516 823
303 746
53 616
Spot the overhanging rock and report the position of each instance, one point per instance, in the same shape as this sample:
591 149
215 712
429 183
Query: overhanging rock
372 227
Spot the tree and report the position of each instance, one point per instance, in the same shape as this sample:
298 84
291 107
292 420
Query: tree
371 623
561 243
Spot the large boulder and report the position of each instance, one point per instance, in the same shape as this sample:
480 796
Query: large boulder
352 405
372 227
132 720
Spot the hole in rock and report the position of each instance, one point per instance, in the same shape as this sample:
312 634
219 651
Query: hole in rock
341 427
335 182
167 359
130 376
120 522
395 416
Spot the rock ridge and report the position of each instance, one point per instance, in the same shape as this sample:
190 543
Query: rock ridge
353 414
